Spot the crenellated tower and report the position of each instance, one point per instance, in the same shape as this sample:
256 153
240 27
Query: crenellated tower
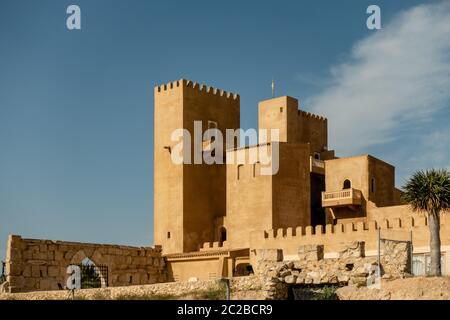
294 125
189 199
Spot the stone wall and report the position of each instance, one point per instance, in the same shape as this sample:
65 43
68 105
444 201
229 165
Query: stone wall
351 267
331 236
249 288
33 265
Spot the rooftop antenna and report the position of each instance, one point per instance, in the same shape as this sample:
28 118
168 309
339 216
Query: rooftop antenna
273 88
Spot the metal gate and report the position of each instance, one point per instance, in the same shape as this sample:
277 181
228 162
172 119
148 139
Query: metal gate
93 276
421 265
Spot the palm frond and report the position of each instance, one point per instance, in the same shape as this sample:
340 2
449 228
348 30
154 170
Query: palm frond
428 191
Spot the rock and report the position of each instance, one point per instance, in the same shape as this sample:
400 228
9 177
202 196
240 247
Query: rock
353 249
300 280
358 281
290 279
310 252
343 278
285 273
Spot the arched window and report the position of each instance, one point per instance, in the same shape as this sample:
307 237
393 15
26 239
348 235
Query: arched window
347 184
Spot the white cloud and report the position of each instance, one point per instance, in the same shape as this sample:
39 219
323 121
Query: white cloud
432 151
397 76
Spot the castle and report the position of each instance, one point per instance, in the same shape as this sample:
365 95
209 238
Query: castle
222 219
210 218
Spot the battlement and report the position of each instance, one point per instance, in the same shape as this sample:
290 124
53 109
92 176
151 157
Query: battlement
348 228
196 87
309 115
213 245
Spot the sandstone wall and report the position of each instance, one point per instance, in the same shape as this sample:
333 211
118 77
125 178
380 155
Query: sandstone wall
333 236
33 264
351 267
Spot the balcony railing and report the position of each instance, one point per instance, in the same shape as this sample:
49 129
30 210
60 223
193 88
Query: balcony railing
316 165
341 198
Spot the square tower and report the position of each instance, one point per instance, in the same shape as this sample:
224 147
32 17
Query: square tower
188 198
294 125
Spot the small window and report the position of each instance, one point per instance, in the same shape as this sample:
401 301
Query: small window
168 235
223 234
281 109
316 155
347 184
240 169
256 169
372 185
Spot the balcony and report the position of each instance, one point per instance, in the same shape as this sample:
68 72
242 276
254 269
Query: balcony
316 166
342 198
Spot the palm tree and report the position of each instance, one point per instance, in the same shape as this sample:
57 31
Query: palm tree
429 191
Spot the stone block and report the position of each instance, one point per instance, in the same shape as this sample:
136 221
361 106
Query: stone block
357 281
30 283
39 256
354 249
311 252
69 255
50 255
290 279
13 269
48 284
33 248
13 254
26 271
27 255
43 271
273 255
16 281
53 271
35 272
58 256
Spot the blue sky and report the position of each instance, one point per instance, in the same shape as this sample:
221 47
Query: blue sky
76 119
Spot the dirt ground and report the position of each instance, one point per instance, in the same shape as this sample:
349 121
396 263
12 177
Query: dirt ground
417 288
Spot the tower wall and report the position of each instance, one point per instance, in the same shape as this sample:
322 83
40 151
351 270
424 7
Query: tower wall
189 197
294 125
256 201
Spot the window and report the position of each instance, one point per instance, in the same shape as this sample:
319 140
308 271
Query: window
256 169
223 234
168 235
372 185
281 109
347 184
316 155
240 171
